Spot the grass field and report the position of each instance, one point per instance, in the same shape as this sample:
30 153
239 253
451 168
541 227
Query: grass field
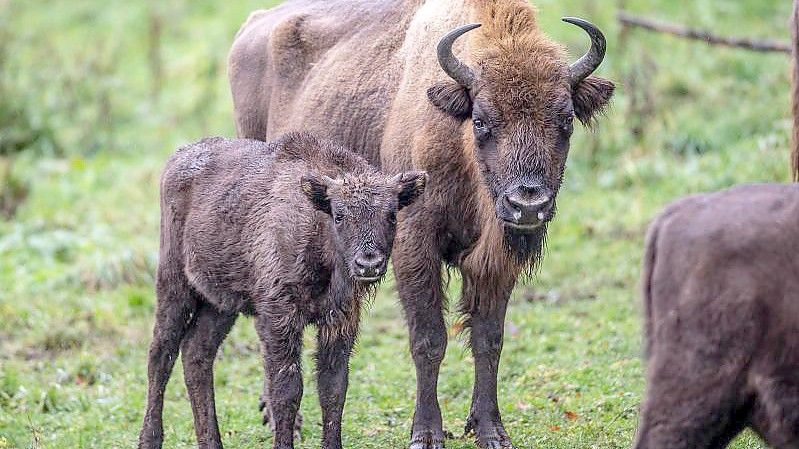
94 95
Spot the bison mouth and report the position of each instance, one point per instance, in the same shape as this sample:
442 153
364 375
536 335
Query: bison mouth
368 279
524 228
522 216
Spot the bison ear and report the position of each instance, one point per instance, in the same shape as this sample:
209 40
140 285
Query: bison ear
451 98
315 186
410 186
590 98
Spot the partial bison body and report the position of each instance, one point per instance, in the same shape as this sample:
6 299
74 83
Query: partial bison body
487 111
294 232
721 299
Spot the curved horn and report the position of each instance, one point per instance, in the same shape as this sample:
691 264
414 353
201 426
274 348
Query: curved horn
591 60
331 181
456 70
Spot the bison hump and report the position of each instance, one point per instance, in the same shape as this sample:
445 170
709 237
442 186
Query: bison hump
294 46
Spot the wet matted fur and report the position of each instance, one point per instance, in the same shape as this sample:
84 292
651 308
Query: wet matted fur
294 232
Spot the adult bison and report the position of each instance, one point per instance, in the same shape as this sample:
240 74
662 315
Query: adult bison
721 300
492 129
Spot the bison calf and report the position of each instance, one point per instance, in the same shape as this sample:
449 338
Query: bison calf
293 232
721 297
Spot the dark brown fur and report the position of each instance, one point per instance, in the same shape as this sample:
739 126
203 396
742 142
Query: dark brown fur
721 302
256 228
366 72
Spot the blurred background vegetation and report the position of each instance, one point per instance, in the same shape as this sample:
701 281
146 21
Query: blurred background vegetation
94 95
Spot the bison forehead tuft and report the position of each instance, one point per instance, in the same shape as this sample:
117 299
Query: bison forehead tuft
519 84
362 190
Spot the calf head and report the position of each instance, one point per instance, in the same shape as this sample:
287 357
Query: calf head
363 215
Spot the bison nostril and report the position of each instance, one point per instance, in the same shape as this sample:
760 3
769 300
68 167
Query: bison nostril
370 260
531 189
527 205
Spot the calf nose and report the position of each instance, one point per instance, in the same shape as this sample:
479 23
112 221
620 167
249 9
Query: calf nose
371 264
529 204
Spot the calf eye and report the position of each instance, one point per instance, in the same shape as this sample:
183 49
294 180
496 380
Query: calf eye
479 124
338 218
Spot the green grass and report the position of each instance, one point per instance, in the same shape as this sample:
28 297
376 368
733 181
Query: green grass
77 258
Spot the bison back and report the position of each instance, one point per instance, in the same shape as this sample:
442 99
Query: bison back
324 66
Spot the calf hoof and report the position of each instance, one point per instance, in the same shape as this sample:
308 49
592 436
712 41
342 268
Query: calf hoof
489 435
267 420
150 439
494 444
426 440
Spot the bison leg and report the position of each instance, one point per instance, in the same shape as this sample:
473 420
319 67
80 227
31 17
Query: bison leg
208 330
173 315
418 272
281 345
332 365
776 411
486 309
689 408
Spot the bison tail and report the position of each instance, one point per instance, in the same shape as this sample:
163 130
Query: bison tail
646 282
795 90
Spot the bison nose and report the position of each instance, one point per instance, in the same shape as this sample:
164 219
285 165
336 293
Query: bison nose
371 264
528 205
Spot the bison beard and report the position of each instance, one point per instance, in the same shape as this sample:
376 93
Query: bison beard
487 112
526 248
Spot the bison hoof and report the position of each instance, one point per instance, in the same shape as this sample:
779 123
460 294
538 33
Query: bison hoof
427 440
489 435
494 444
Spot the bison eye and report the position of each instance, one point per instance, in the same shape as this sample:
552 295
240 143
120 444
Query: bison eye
567 127
392 217
479 124
338 218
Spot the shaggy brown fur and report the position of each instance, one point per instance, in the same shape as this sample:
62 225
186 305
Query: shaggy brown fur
264 229
721 298
366 73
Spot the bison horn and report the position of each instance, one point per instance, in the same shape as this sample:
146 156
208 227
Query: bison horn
330 182
591 60
456 70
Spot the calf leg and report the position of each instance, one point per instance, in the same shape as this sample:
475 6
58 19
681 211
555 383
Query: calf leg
332 365
418 273
486 308
208 330
281 340
266 413
173 315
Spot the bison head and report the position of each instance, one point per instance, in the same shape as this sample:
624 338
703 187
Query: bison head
521 97
363 211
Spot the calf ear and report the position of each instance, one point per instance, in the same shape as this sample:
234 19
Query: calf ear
590 98
410 185
451 98
315 186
